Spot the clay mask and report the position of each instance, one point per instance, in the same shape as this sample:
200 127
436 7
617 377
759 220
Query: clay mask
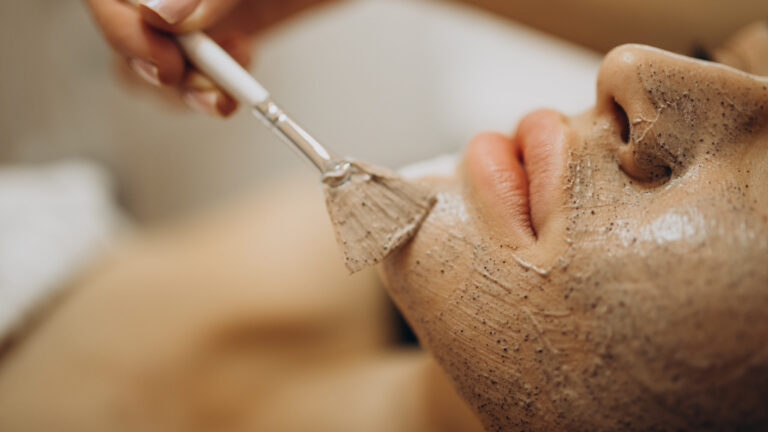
606 271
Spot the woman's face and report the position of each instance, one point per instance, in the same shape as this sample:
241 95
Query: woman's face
608 270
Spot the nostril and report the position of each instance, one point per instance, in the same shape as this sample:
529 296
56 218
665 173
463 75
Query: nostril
622 120
666 172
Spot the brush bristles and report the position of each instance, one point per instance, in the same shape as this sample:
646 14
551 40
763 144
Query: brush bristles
375 212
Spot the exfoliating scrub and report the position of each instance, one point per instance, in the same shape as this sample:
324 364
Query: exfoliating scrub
606 271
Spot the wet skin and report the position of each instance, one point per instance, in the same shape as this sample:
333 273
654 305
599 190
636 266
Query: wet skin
608 270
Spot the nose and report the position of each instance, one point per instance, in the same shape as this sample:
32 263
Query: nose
670 111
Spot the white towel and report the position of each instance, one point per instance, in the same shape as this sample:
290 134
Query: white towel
53 219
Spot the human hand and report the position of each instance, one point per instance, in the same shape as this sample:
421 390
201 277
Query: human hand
143 36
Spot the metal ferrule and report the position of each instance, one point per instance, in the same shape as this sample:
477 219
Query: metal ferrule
297 137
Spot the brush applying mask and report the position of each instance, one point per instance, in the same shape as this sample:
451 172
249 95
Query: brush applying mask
372 209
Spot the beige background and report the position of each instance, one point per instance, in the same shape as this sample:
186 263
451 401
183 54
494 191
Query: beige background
388 81
677 25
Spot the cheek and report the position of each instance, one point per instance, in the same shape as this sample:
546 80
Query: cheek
423 275
500 329
669 277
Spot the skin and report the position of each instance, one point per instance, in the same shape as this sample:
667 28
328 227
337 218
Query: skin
606 285
224 323
746 50
141 33
606 271
373 211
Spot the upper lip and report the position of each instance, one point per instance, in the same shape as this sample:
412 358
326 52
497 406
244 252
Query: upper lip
516 181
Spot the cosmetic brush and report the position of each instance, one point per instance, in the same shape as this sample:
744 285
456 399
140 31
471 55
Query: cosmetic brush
373 210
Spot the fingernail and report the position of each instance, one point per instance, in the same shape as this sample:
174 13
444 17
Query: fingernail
146 70
171 11
205 101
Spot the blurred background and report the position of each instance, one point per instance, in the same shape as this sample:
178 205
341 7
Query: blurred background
87 149
87 152
388 81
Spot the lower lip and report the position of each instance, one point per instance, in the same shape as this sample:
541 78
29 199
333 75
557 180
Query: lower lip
516 182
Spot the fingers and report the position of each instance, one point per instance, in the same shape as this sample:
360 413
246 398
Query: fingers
201 94
139 31
179 16
154 56
167 11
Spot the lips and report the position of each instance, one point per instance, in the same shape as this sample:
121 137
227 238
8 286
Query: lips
517 182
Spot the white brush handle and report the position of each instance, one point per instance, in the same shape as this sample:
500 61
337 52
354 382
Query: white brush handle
213 61
218 65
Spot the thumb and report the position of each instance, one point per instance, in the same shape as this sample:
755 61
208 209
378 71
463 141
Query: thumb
179 16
